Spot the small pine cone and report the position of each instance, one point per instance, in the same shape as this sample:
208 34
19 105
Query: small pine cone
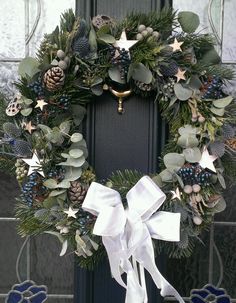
82 47
77 192
231 143
169 69
54 78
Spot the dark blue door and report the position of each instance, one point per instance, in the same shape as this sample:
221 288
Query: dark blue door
133 140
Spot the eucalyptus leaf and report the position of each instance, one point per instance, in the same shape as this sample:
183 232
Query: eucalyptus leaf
222 103
97 80
76 137
105 29
73 173
63 184
50 183
189 21
173 160
64 248
64 155
188 141
76 153
46 129
41 213
217 111
188 130
28 67
26 111
78 113
114 74
181 92
192 155
195 82
157 179
220 206
221 179
97 90
166 175
140 72
107 38
49 202
65 127
55 193
210 57
26 101
73 162
92 39
55 136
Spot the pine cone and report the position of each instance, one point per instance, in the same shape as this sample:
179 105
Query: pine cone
169 70
54 78
231 143
77 192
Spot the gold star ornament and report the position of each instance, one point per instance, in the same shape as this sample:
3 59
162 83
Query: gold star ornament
176 45
207 160
34 165
29 127
124 43
41 103
71 213
180 75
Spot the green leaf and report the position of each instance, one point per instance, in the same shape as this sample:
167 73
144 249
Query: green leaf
181 92
105 29
92 39
140 72
76 137
50 183
26 111
211 57
220 206
73 173
65 127
49 202
28 67
192 155
76 153
222 103
189 21
195 82
114 74
157 179
46 129
217 111
97 90
221 179
74 162
107 38
187 130
55 193
166 175
41 213
188 141
173 160
78 113
64 184
26 101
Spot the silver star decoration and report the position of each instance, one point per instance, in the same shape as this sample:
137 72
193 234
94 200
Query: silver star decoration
176 194
207 160
124 43
34 165
71 213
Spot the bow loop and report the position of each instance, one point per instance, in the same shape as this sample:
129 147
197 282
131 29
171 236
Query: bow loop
145 198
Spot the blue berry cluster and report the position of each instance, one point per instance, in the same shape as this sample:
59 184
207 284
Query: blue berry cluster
120 57
57 173
32 188
194 174
213 89
84 219
37 88
64 101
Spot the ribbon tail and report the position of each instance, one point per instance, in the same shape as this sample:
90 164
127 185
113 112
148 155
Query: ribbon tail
145 256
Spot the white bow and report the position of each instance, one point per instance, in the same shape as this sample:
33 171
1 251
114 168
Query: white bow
127 233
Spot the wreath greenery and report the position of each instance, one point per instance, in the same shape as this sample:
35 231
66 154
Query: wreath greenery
181 71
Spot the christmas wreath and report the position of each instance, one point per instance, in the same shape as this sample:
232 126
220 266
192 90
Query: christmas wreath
159 55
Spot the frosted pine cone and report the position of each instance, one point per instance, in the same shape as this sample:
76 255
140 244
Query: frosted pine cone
54 78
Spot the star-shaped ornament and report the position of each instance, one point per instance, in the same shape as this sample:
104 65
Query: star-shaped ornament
176 45
34 165
207 160
124 43
29 127
180 75
71 213
176 194
41 103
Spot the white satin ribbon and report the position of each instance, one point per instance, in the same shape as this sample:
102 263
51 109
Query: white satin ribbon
127 233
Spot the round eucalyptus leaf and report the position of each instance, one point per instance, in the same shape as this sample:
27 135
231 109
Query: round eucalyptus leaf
189 21
28 67
222 103
188 141
76 137
217 111
26 111
140 72
173 160
166 175
181 92
192 155
114 74
76 153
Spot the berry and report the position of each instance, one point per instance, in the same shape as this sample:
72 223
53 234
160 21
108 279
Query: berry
37 88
